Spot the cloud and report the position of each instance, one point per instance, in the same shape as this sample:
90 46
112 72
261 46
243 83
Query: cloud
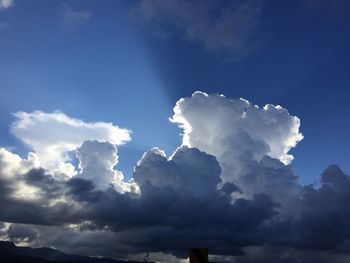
132 216
282 254
11 165
28 194
324 222
236 131
52 135
96 161
19 233
73 19
4 25
4 4
229 187
231 29
181 171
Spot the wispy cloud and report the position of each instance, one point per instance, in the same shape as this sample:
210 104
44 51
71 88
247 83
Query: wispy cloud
231 29
4 25
71 19
4 4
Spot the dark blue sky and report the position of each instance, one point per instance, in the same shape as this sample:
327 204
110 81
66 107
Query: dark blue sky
111 61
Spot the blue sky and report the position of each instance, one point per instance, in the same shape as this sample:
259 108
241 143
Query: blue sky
89 87
109 61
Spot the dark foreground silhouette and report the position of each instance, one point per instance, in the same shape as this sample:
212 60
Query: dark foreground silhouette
10 253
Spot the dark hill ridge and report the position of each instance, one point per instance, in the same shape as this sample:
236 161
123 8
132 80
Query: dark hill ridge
9 252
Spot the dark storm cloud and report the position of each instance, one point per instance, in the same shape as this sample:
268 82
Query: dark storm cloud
39 209
282 254
36 212
50 187
175 216
324 223
273 178
229 188
22 233
165 216
230 28
183 203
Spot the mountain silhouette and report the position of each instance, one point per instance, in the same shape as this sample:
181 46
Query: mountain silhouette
10 253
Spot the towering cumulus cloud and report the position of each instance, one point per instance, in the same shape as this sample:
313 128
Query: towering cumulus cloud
223 126
238 133
229 187
96 162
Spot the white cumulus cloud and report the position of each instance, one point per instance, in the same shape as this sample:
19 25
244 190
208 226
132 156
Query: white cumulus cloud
235 131
12 164
52 135
188 170
97 161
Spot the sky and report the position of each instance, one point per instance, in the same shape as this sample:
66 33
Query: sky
102 101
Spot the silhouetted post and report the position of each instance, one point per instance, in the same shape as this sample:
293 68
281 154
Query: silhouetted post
199 255
145 259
